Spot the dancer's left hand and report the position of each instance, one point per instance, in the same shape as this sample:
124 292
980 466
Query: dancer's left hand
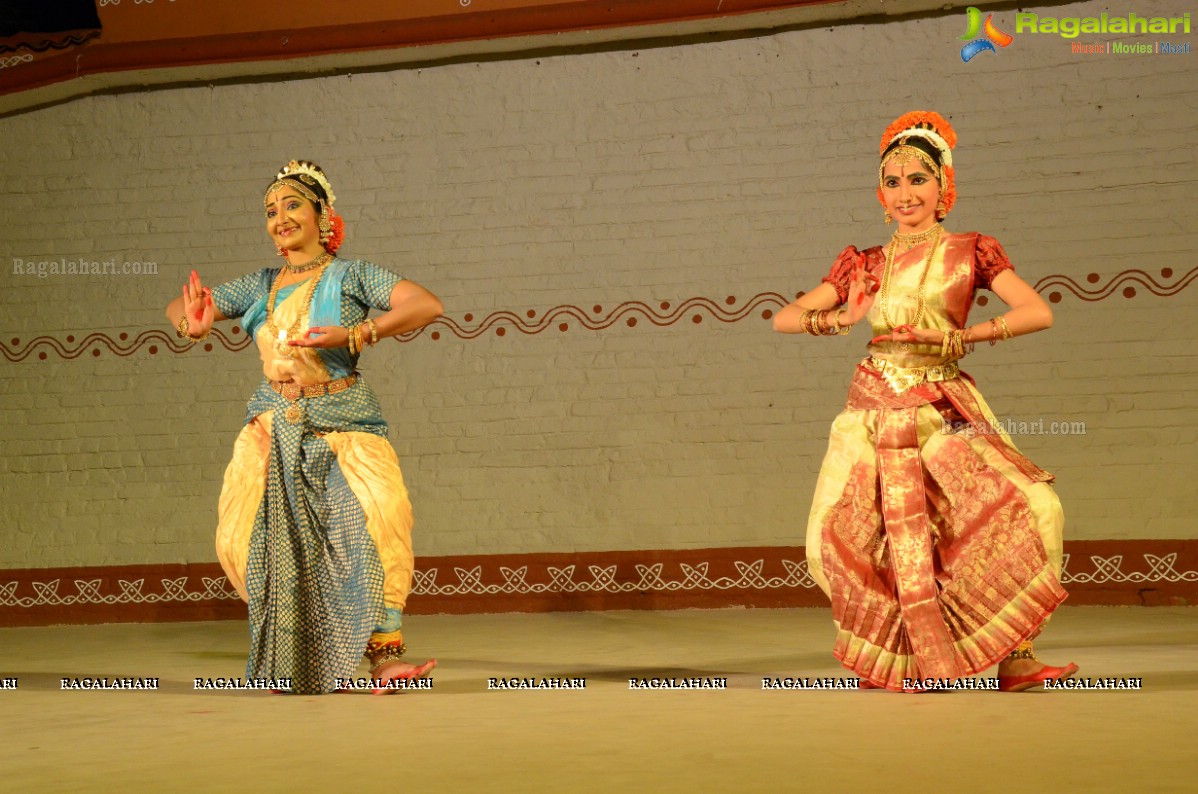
326 336
907 333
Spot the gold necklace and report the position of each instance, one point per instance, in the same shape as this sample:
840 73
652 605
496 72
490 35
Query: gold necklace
909 241
282 338
932 234
319 261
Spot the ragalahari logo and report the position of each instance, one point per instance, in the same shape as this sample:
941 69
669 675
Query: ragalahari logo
986 43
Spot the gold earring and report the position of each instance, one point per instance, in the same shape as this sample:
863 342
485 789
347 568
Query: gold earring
888 218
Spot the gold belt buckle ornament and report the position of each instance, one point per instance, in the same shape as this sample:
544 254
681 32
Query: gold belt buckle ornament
294 392
901 379
943 372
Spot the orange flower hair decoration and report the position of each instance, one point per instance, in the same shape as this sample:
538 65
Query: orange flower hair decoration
935 129
337 235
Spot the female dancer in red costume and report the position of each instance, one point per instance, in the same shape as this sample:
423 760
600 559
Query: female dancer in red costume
938 543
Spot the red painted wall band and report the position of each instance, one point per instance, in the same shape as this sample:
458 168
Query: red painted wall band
1097 572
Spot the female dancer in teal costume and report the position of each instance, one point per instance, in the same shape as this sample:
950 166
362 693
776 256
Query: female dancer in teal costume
314 525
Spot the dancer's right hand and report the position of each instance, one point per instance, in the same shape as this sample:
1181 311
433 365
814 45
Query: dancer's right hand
862 289
197 306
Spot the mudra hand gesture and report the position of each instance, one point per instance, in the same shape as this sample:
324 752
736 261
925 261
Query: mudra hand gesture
198 308
325 336
908 333
862 290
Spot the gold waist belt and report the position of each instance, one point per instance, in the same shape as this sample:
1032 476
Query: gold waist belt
903 378
293 391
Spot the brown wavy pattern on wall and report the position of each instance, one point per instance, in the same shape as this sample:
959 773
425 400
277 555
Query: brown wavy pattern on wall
564 318
43 42
1053 288
568 317
93 344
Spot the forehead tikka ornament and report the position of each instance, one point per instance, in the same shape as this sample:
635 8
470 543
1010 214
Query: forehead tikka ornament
933 137
903 154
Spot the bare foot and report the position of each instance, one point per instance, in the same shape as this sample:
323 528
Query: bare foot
398 671
1017 675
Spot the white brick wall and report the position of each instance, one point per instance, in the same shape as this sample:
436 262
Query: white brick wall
706 169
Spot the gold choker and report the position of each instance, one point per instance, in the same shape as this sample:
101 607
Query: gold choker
909 241
319 261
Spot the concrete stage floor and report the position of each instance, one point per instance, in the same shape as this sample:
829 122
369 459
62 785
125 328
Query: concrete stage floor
461 737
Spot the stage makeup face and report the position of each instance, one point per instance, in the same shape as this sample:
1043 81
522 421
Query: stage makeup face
911 194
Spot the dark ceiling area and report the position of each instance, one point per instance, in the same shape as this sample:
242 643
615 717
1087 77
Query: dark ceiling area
38 26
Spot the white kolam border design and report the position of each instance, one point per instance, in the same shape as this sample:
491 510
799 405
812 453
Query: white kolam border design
7 61
602 579
88 592
1110 569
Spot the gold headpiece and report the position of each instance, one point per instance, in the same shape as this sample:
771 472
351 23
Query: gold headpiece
903 154
303 176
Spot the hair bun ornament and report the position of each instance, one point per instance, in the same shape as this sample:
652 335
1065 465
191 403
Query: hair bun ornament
337 236
919 123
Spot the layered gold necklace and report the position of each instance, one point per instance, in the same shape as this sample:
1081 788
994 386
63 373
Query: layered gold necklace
908 241
282 338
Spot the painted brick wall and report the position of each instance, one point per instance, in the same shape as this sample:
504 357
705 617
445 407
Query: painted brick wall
722 171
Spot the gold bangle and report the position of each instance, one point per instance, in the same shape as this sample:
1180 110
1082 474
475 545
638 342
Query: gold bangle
952 347
349 342
183 331
995 332
1006 332
374 332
